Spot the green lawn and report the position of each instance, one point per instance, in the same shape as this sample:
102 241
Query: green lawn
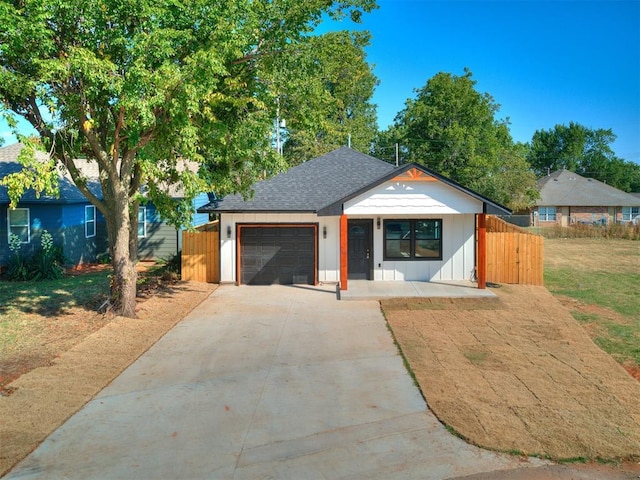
601 273
51 297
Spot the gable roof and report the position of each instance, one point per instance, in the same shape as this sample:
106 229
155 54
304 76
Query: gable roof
69 193
563 188
323 184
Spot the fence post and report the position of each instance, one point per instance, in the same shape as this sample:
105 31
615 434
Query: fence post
344 256
482 251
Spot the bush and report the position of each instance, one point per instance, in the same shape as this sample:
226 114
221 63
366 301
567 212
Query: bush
623 231
174 263
45 264
17 270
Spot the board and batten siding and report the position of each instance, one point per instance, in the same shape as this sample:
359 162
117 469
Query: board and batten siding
328 248
431 199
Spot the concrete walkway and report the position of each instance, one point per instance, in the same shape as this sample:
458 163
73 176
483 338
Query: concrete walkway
368 290
263 382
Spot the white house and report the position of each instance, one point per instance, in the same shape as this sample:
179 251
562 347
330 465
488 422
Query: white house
346 215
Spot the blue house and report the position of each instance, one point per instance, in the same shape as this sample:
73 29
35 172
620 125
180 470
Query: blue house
75 224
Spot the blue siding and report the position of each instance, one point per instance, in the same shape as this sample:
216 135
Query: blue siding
66 225
200 218
4 242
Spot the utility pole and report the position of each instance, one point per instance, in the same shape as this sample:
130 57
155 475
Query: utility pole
397 156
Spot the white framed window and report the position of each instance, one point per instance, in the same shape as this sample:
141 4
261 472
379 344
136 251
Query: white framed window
142 222
19 224
629 213
89 221
547 214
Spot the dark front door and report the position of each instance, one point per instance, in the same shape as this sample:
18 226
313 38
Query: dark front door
360 249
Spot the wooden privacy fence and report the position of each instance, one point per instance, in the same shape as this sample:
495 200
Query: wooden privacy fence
514 255
201 256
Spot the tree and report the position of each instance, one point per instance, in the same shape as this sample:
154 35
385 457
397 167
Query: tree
324 89
585 151
451 128
140 86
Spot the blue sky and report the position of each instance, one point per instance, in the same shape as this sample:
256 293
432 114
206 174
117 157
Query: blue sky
545 62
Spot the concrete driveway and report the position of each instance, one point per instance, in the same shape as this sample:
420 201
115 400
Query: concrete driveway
263 382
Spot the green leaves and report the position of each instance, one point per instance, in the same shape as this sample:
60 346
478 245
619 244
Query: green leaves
451 128
38 173
140 86
585 151
323 86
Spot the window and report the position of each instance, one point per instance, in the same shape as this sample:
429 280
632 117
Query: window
413 239
19 224
547 214
89 221
142 222
629 213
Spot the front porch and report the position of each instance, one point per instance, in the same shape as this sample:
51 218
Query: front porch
368 290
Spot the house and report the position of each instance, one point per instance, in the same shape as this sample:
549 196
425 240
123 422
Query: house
346 215
567 198
75 224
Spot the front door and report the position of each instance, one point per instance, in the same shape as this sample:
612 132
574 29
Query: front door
360 249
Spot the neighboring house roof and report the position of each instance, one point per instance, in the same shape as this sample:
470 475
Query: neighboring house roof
323 184
69 193
563 188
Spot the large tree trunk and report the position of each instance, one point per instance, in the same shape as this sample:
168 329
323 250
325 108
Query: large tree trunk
125 276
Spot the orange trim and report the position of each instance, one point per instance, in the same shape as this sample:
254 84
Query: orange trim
482 251
415 175
344 245
240 226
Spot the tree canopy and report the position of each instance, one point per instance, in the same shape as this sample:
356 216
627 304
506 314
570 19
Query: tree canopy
585 151
141 86
451 128
324 92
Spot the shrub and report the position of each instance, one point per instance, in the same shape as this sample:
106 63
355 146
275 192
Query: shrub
174 263
579 230
17 270
45 264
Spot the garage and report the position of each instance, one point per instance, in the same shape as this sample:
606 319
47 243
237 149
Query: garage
282 254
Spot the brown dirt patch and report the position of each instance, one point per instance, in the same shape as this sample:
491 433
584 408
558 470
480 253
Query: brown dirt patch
518 373
73 358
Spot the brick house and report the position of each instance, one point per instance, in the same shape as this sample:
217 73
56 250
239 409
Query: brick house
567 198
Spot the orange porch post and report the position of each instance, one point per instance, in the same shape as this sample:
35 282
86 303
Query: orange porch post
482 251
344 245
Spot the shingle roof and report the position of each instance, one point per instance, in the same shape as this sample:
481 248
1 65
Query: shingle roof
69 193
310 186
568 189
321 186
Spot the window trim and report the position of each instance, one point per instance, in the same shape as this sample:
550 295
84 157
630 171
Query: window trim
412 239
546 216
628 214
143 211
28 225
88 221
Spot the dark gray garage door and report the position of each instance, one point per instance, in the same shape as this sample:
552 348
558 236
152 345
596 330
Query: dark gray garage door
277 254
